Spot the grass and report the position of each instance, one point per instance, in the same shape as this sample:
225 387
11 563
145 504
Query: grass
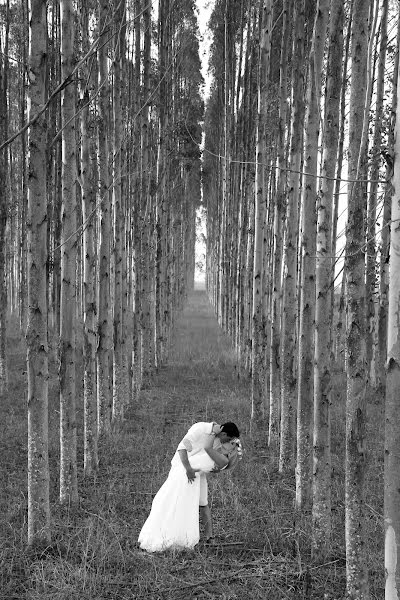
262 548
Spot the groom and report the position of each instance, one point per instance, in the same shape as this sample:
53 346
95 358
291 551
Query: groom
195 440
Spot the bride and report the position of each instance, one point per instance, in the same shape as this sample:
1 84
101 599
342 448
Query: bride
173 521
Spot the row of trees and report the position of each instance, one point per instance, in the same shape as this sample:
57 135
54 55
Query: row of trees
299 128
99 182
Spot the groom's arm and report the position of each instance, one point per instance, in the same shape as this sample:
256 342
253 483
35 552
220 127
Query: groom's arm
191 473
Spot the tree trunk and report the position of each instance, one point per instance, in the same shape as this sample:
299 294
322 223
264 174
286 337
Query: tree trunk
36 334
288 383
88 183
382 328
371 255
308 249
260 211
120 375
337 343
22 240
357 577
103 355
392 417
275 354
321 508
4 166
67 375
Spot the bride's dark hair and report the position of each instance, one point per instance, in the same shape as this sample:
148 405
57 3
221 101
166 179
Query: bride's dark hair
230 429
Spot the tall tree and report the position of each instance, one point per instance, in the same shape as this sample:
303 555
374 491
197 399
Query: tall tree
321 507
67 375
36 334
103 354
88 194
257 371
308 249
392 431
289 310
382 328
275 353
3 196
357 577
120 374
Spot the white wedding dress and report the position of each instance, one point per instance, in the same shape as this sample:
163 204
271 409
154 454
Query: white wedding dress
173 521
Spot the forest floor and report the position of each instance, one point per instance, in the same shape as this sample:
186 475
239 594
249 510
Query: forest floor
262 548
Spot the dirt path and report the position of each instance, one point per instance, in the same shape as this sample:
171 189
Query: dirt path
199 382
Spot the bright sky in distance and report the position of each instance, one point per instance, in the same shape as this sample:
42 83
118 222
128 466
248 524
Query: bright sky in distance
205 7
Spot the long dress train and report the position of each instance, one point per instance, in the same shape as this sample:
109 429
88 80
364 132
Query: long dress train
173 521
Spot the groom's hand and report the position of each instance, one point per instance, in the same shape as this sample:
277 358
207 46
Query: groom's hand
191 474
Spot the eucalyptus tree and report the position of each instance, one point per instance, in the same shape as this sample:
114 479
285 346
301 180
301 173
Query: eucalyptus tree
375 92
224 22
357 577
120 364
390 286
382 326
279 209
4 91
289 302
67 351
321 488
146 211
257 370
36 334
88 182
135 92
103 352
308 249
392 433
54 169
231 116
239 176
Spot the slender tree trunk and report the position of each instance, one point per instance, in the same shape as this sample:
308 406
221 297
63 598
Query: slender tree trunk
357 577
308 248
392 417
23 235
371 258
88 183
289 384
36 334
4 167
260 210
337 342
68 439
321 510
135 215
382 328
103 355
146 237
275 355
120 379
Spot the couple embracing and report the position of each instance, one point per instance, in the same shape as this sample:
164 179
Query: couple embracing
174 518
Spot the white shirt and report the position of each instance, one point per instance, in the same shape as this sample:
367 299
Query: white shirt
197 437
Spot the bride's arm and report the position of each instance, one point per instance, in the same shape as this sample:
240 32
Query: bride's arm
220 460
